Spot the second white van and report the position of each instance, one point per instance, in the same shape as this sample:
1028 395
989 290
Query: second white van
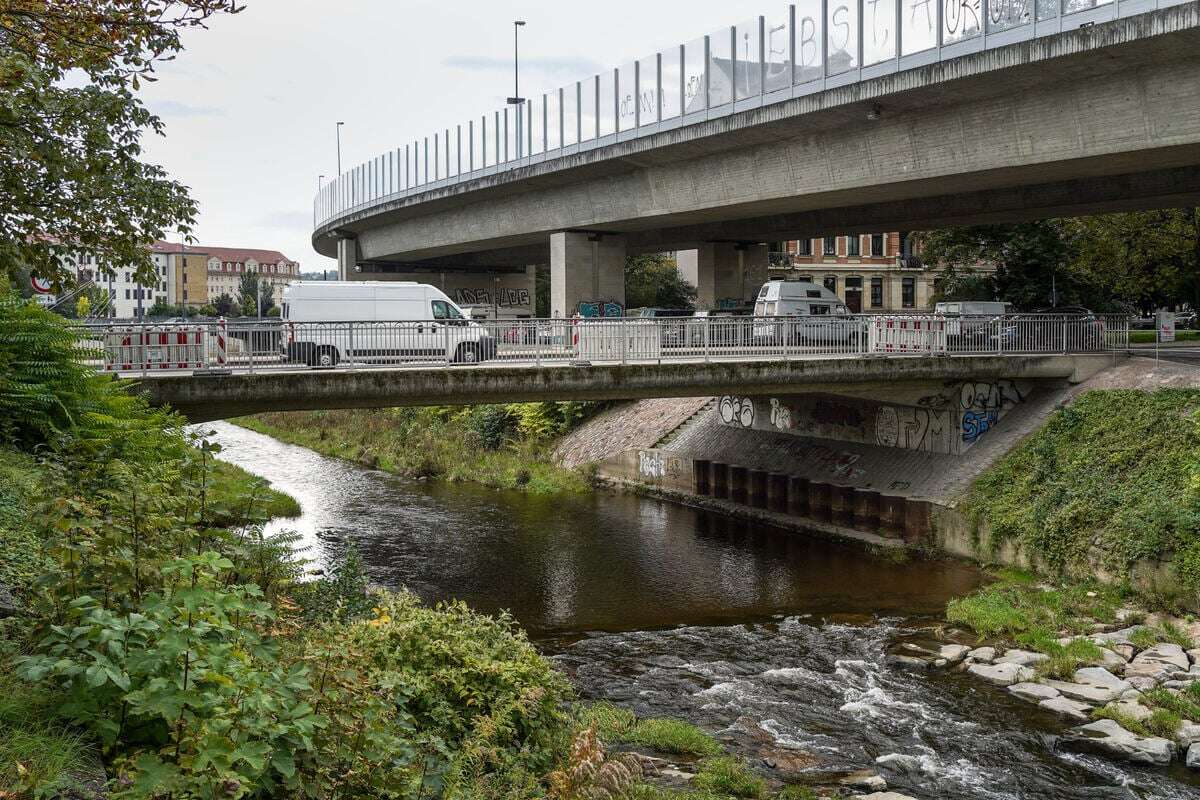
806 312
328 322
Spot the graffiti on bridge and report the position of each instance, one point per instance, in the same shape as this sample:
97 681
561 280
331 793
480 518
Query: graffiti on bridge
483 297
737 411
596 309
654 465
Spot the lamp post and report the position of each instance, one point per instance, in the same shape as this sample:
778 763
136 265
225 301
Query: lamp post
516 100
339 148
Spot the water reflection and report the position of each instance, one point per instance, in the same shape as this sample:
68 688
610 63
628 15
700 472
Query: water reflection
604 561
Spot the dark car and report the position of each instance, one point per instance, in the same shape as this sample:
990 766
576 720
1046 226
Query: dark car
1053 330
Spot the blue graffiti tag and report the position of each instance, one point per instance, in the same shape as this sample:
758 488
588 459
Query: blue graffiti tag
977 423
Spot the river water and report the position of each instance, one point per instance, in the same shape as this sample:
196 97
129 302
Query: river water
673 611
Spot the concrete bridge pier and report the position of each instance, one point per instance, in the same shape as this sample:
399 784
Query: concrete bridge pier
725 274
347 257
587 271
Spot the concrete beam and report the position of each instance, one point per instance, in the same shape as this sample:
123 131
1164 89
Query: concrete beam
725 274
1119 99
206 398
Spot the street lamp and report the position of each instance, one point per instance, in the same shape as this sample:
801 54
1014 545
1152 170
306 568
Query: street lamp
516 100
339 148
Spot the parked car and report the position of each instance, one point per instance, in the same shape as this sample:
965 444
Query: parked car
971 321
392 321
1054 329
799 312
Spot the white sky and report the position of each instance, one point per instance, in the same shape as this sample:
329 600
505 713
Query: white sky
250 105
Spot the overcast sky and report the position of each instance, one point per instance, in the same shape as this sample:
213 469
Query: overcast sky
250 105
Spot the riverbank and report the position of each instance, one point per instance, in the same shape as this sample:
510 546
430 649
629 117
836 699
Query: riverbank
502 447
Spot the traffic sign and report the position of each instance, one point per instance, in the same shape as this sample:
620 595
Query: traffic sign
40 285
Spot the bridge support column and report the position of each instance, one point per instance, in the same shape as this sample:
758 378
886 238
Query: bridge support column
347 258
725 274
587 274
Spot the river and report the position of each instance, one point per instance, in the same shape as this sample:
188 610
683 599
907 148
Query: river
673 611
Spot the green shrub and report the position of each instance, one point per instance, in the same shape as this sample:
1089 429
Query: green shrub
673 736
1113 476
494 425
729 776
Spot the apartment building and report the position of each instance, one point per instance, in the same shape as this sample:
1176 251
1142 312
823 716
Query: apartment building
873 273
202 273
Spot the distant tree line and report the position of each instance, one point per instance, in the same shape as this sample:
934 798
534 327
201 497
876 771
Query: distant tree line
1135 262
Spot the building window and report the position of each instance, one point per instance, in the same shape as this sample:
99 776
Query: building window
831 283
126 294
830 248
805 278
853 244
804 247
876 292
908 292
877 244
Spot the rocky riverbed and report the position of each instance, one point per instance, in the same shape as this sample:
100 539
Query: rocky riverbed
1131 704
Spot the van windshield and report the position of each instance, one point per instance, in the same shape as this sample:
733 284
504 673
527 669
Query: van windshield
443 310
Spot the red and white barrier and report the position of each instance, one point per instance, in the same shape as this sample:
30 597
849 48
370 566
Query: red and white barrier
157 347
222 329
907 335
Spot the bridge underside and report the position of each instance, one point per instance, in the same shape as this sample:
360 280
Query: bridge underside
1096 119
207 398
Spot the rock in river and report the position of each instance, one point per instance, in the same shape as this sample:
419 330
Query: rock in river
1033 692
1002 674
1107 738
1066 707
1158 662
1193 756
1026 658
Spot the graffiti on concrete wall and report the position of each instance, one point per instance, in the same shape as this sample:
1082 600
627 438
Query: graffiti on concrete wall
908 428
781 415
840 464
656 466
982 405
592 309
505 298
947 420
737 411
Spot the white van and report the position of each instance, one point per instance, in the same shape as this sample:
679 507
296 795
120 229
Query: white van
392 321
813 313
971 318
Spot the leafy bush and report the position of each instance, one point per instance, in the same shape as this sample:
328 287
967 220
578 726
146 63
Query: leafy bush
167 631
494 425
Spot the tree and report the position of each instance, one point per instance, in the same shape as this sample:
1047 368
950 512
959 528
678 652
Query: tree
1029 260
251 292
1148 259
654 281
225 305
71 127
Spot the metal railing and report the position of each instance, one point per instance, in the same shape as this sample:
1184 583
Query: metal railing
800 49
251 346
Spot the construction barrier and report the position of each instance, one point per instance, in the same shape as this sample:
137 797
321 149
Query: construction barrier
157 347
906 335
626 339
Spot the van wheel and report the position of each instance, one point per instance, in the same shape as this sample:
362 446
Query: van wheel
467 354
325 356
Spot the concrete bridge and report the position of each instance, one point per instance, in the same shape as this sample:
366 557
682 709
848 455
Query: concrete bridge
206 397
770 131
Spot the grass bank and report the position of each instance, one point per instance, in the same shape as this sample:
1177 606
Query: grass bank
501 446
1109 487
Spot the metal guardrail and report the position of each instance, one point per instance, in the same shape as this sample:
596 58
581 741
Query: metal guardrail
253 346
800 49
